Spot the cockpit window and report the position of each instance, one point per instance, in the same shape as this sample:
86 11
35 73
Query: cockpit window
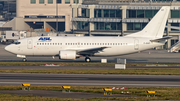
16 42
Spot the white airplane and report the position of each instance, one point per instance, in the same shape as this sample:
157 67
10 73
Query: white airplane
76 47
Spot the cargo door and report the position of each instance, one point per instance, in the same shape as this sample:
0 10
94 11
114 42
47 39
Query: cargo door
29 44
136 44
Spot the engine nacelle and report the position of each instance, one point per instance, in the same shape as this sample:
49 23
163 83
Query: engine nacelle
67 55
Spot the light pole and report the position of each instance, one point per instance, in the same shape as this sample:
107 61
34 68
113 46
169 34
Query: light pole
8 10
56 15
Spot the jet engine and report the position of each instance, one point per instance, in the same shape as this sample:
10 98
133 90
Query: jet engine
67 55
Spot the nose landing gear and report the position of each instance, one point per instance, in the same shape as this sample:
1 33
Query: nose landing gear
24 59
87 59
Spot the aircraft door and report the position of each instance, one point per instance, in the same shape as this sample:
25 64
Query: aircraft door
29 43
136 44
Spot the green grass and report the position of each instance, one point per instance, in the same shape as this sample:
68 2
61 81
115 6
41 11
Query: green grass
162 93
56 63
96 64
149 71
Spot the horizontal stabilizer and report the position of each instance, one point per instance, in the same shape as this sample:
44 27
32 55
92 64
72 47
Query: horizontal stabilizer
161 39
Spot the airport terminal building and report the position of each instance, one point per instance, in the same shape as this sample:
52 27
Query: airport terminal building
43 15
122 17
93 17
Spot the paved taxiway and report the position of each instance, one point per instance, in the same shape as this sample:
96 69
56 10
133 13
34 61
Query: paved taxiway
60 94
90 79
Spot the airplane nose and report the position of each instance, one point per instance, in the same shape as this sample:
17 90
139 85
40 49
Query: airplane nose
7 48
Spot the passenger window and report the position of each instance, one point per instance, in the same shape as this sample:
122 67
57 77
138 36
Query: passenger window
47 43
81 43
92 43
37 43
55 43
84 43
42 43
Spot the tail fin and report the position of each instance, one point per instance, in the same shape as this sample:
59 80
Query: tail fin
155 28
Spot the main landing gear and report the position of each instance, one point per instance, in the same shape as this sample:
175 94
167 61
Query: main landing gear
87 59
24 59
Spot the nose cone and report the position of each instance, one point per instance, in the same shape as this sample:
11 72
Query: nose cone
8 48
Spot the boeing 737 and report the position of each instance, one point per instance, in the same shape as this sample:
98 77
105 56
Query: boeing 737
75 47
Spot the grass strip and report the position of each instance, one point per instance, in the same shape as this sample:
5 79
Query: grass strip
149 71
91 64
162 93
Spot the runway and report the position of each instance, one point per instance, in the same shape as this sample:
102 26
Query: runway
90 80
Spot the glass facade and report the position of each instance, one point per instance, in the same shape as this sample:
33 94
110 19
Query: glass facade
33 1
175 14
58 1
107 13
76 1
67 1
173 41
81 25
107 26
135 26
141 13
50 1
85 12
41 1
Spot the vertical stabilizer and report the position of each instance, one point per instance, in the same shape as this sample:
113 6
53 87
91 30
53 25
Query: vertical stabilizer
155 28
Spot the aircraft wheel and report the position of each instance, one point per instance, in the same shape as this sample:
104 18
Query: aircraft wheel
87 59
24 59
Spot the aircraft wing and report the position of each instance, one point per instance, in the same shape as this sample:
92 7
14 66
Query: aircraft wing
160 39
91 51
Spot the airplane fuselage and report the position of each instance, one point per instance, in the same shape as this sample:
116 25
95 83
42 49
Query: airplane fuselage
50 46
